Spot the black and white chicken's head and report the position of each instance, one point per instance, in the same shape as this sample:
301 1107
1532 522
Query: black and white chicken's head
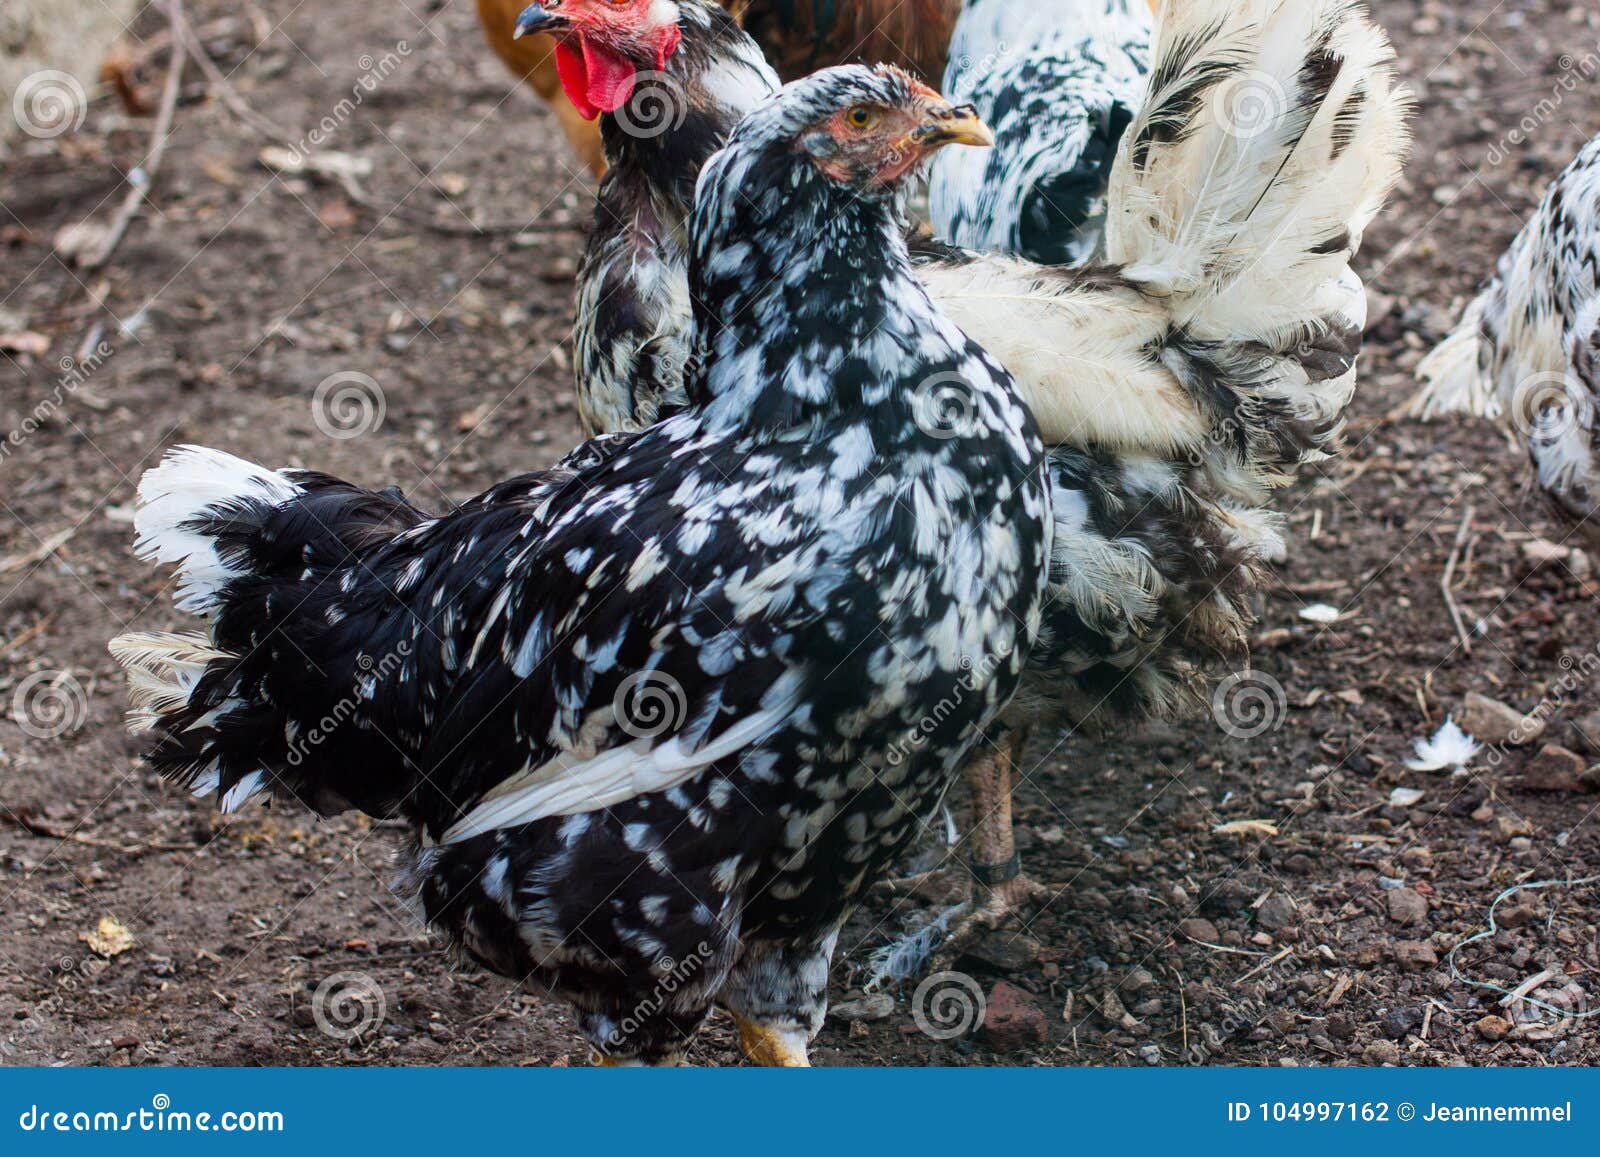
862 129
805 300
601 45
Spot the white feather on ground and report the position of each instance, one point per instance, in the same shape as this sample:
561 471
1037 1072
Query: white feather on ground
1450 748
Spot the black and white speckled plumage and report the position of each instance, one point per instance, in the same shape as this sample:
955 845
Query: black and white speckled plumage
1058 81
829 602
1527 350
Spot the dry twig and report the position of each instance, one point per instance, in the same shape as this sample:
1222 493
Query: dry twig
143 177
1449 576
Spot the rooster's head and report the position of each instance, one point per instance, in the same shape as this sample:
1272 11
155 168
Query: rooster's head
602 44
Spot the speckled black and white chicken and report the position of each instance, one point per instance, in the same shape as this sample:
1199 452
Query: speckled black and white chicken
1527 350
1200 366
659 716
1058 81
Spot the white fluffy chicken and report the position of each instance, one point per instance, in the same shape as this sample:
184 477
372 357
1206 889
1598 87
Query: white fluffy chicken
1058 81
1527 350
1203 362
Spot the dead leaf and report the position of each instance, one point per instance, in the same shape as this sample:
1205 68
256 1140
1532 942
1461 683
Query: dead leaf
221 172
109 938
1247 828
26 342
338 214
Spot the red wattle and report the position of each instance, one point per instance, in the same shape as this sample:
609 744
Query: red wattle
610 77
574 79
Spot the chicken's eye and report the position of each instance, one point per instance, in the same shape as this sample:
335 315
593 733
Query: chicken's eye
861 117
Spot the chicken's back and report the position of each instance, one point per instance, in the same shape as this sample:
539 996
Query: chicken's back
1058 81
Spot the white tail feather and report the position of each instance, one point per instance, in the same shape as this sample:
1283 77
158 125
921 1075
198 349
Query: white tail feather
1227 213
191 482
162 672
1453 375
1231 236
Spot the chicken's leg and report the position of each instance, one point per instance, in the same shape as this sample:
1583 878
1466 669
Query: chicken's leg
1000 888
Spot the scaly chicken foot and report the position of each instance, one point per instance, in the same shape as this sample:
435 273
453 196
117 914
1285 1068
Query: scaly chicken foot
772 1047
1000 888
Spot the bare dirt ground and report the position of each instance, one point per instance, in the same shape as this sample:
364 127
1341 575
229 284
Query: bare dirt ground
1264 900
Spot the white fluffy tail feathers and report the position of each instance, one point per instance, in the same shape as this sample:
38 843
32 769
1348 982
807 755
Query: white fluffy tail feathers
192 487
1274 131
191 484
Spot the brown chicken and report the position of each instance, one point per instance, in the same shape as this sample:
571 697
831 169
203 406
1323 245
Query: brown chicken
533 59
798 36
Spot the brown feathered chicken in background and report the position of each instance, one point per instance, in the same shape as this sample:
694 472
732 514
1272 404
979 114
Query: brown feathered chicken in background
533 59
801 36
798 37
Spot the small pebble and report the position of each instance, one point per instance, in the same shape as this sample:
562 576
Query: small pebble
1407 906
1381 1052
1493 1028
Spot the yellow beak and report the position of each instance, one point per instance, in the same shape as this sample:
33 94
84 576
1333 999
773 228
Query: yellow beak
947 124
